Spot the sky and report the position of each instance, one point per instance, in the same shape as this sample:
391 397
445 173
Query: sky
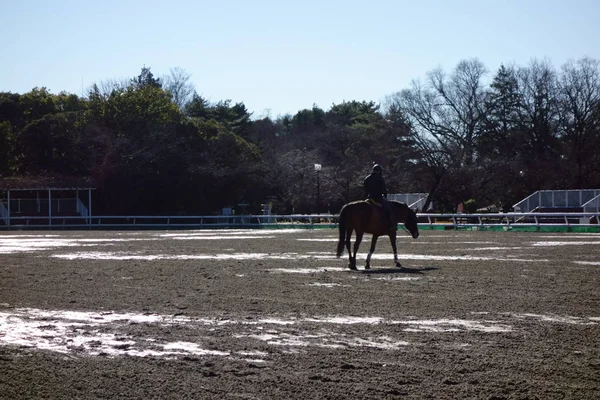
279 57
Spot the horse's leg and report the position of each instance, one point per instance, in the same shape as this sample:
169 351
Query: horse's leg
393 242
357 241
351 263
371 251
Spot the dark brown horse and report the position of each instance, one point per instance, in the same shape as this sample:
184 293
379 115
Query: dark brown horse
364 217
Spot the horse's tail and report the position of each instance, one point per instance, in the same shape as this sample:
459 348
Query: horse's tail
342 229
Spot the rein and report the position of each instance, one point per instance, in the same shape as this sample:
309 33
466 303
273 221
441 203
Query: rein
405 230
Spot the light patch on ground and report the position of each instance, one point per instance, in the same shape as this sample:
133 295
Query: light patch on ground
109 334
106 333
244 233
273 256
30 243
488 248
153 257
587 262
582 235
327 339
557 243
329 285
221 237
397 278
19 245
557 318
322 240
455 325
306 270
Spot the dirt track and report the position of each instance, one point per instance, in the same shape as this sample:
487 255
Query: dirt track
273 315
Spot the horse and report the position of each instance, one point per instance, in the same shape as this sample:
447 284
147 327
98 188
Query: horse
363 216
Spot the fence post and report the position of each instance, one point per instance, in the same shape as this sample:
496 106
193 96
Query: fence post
49 207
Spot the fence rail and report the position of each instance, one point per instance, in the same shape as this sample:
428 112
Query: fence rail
426 220
556 198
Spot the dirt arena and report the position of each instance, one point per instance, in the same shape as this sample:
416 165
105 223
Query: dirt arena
272 314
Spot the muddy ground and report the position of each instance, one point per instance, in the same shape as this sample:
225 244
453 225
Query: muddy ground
274 315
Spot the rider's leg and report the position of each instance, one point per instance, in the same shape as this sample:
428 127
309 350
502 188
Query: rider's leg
388 214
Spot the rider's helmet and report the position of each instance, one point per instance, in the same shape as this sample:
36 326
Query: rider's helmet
377 168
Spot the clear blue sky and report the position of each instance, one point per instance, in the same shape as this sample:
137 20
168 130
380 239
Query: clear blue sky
279 55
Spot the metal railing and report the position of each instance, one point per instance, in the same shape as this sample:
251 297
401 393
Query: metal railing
413 200
593 205
28 206
450 220
3 213
81 209
511 219
556 199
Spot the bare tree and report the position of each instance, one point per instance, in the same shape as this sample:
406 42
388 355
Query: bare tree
579 98
447 116
178 84
537 147
538 88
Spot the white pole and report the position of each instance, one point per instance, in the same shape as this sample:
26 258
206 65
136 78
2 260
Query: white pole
8 220
89 206
49 206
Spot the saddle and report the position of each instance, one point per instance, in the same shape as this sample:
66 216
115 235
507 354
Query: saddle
373 202
380 210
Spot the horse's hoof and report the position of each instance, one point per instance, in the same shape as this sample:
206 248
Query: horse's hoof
352 267
367 267
398 265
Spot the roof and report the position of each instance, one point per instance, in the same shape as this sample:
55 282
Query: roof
45 182
25 189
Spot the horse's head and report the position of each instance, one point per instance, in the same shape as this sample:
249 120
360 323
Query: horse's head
410 221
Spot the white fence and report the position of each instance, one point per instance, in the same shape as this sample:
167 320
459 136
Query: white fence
427 220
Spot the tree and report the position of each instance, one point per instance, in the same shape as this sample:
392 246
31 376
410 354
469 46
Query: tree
579 99
146 78
50 145
447 117
198 107
178 84
538 147
6 148
499 142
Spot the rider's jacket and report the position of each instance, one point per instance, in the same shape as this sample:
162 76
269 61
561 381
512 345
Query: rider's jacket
375 187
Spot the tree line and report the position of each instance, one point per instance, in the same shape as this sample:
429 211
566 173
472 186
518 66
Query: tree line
152 145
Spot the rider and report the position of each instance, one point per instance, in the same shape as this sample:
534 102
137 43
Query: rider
376 189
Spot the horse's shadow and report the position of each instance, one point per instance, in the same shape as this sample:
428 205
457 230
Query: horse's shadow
396 270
